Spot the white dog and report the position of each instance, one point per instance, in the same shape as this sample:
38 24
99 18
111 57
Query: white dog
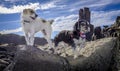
32 24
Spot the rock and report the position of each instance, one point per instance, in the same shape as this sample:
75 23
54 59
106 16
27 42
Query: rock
81 14
13 39
6 57
33 59
87 14
115 60
95 56
84 14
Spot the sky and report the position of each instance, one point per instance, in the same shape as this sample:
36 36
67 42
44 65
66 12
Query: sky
64 13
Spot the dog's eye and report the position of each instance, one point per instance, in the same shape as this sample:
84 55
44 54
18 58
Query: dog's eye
31 12
82 24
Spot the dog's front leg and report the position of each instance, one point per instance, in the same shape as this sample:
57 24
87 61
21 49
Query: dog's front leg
27 38
82 44
32 39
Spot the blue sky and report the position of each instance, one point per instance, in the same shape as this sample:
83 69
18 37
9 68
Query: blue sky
64 12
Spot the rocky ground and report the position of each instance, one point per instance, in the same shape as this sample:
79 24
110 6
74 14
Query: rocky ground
90 47
99 55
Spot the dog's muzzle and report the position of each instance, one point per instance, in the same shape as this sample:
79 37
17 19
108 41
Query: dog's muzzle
82 35
34 17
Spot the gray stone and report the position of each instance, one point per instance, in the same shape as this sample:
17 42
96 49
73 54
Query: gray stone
103 58
33 59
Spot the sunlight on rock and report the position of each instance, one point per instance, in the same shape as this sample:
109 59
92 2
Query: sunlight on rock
92 46
65 50
4 44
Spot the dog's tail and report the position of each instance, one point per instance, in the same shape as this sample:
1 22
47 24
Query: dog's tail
51 21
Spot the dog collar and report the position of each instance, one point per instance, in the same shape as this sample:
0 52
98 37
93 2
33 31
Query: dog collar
26 21
82 35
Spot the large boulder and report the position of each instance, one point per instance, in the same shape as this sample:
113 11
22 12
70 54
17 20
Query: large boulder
33 59
96 56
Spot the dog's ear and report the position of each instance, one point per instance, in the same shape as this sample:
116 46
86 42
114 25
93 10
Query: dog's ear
78 26
75 33
51 21
25 11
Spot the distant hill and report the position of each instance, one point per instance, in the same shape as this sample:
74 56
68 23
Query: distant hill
16 39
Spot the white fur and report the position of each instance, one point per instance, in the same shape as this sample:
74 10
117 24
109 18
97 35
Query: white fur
34 26
80 43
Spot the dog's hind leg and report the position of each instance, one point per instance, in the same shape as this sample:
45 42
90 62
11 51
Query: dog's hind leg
49 41
47 35
50 49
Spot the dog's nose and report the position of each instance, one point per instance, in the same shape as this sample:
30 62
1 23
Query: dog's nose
36 15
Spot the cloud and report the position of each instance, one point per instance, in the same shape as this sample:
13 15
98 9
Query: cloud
64 22
61 23
14 21
11 31
62 12
18 8
12 1
96 5
48 5
115 1
99 18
